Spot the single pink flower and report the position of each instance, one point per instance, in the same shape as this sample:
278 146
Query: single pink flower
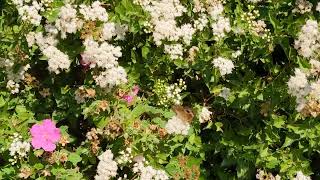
129 97
45 135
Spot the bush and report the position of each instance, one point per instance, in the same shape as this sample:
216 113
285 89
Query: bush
159 89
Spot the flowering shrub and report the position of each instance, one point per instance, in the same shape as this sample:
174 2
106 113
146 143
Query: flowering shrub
159 89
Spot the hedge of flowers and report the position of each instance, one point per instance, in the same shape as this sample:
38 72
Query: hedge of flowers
160 89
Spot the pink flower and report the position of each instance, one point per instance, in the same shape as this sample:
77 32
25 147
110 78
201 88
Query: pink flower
135 90
129 97
45 135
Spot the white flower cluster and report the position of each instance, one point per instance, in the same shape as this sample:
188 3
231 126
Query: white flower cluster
262 175
221 24
108 31
107 167
173 91
201 22
163 23
29 12
204 115
14 77
308 39
221 27
111 29
111 77
13 87
254 26
174 50
68 21
18 148
103 56
301 176
215 9
94 12
57 60
318 7
306 91
175 125
224 65
125 157
169 94
148 172
302 7
254 1
299 87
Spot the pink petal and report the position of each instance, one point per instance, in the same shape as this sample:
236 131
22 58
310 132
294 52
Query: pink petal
36 143
55 135
36 130
128 98
49 147
136 90
48 123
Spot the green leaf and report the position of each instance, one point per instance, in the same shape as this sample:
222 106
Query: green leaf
74 158
288 141
219 126
38 166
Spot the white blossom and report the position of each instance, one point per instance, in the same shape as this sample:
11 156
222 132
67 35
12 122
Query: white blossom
221 27
301 176
298 84
318 7
94 12
204 115
148 172
302 7
104 55
308 39
13 87
163 23
108 31
174 50
215 10
111 77
18 148
254 1
299 87
224 65
68 21
107 167
201 22
14 77
57 60
186 33
176 125
29 12
125 157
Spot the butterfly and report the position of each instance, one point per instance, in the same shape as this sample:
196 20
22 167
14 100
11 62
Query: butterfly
184 113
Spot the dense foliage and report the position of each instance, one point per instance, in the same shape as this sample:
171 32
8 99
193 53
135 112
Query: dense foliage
159 89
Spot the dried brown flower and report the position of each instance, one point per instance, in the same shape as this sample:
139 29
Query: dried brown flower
25 172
